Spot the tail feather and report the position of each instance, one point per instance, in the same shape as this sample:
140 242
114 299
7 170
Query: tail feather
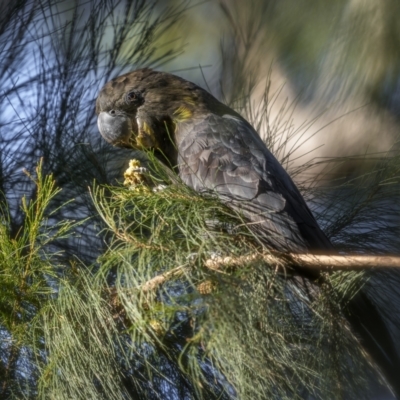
374 335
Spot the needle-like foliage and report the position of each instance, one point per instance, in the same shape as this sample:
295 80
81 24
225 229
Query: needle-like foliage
246 329
29 275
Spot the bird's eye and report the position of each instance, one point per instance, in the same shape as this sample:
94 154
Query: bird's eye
112 112
134 97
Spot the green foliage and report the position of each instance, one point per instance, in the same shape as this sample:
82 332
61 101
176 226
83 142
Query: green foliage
28 273
247 330
79 335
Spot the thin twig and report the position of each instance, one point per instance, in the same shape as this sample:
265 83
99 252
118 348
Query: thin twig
160 279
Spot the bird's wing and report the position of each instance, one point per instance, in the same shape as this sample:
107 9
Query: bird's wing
226 155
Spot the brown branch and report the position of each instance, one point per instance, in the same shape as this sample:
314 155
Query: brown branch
346 262
310 261
314 261
160 279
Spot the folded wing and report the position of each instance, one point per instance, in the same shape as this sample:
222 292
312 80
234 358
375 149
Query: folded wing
224 154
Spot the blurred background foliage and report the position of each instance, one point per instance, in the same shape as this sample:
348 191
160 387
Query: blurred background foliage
318 79
339 61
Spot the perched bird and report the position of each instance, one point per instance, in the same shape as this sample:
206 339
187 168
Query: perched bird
213 148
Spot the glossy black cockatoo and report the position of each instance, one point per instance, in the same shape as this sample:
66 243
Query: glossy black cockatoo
213 148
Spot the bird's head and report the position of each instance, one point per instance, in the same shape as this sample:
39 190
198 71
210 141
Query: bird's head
136 109
142 109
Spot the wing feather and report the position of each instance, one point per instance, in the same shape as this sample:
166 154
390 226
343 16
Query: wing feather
225 154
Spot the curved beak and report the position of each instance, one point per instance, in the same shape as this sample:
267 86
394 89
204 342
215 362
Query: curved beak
116 128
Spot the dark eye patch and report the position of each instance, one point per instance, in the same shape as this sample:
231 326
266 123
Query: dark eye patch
134 97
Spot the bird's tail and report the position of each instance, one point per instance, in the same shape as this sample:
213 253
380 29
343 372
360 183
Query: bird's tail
374 333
